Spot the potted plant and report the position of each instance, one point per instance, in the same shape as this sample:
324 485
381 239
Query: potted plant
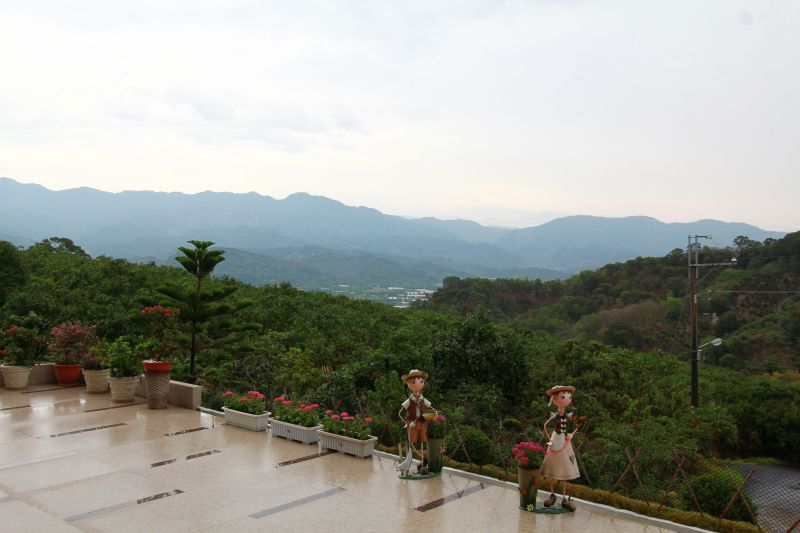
528 457
294 420
437 430
246 410
158 364
161 320
69 342
125 366
95 373
21 343
345 433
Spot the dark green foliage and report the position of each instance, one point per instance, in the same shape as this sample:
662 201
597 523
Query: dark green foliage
641 304
12 274
469 444
714 491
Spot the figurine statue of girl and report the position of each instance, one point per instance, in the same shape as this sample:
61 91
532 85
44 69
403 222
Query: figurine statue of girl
559 460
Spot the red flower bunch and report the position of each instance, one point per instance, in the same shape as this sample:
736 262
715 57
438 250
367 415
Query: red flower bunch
528 454
252 402
20 345
437 427
161 319
354 426
70 342
295 412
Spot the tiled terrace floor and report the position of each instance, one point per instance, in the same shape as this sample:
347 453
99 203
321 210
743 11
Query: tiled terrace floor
72 461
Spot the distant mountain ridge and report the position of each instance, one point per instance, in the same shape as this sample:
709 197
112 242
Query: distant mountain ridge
142 225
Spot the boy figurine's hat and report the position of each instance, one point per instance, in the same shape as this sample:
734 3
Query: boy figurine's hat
558 388
415 374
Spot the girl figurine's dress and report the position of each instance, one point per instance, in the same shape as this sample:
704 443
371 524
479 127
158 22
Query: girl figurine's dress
559 460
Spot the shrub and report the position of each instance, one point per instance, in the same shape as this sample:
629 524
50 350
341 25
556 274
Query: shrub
715 489
471 445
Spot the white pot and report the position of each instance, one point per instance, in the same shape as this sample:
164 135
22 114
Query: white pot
123 390
289 431
96 381
16 377
246 420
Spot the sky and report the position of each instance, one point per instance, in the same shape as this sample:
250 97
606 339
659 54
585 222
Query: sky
503 112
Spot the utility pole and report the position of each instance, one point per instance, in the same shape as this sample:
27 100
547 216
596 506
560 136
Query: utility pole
693 253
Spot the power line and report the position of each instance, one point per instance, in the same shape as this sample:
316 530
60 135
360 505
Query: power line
759 292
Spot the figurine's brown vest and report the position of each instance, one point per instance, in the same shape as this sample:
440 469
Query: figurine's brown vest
412 409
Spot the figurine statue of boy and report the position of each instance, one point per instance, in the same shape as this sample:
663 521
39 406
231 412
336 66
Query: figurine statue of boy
411 413
559 460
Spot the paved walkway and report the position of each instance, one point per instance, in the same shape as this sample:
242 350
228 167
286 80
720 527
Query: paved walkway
72 461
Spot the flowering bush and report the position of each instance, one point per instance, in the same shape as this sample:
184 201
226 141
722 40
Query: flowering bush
21 345
253 402
161 319
295 412
528 454
437 427
354 427
70 341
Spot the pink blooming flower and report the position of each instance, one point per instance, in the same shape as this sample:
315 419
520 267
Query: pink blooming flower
286 402
344 414
227 394
523 460
368 420
279 399
328 411
334 417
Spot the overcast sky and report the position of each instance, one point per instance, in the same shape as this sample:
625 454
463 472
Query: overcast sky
489 110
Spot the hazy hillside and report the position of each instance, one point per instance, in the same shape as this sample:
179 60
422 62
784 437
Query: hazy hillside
145 225
576 242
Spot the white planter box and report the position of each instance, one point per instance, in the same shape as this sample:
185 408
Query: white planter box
246 420
289 431
359 448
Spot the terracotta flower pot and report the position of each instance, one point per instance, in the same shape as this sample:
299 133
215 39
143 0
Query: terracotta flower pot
157 366
67 375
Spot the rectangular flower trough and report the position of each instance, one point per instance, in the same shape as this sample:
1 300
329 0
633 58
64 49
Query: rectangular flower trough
246 420
340 443
293 431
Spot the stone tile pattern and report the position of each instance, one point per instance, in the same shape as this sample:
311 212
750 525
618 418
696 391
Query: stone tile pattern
72 461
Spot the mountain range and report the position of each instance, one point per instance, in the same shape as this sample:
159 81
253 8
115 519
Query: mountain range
313 241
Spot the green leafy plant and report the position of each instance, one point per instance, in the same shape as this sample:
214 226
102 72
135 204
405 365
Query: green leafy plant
70 341
346 425
120 358
252 402
295 412
93 360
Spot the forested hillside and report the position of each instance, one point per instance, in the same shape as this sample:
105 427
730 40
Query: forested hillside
488 378
642 304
